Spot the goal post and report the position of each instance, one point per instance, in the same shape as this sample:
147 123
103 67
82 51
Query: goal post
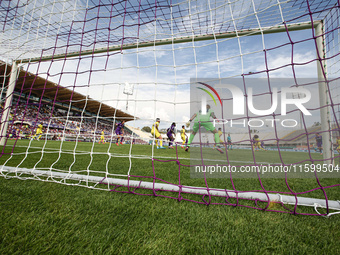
6 109
324 91
321 66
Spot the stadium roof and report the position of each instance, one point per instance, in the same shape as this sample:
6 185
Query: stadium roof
29 83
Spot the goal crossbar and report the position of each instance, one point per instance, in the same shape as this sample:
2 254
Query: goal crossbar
186 39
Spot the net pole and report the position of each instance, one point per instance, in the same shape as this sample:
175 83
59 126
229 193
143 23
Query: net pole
6 110
323 96
270 197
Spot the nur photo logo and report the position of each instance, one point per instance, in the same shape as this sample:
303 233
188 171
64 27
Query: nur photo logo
230 98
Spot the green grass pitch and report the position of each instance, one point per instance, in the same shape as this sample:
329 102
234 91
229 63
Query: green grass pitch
47 218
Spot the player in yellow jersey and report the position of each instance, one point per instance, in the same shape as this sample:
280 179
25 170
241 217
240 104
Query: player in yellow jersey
338 144
155 134
102 138
220 133
38 132
257 143
184 136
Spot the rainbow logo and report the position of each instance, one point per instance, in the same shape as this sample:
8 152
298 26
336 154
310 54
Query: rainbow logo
209 93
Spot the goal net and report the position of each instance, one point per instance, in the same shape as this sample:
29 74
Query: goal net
214 102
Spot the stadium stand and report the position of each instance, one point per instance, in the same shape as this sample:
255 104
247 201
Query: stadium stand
32 106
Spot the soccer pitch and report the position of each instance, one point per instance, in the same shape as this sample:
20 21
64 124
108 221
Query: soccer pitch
170 166
44 217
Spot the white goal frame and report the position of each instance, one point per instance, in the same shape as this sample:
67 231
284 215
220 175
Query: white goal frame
285 199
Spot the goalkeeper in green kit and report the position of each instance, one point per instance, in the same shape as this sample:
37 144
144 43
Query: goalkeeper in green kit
203 120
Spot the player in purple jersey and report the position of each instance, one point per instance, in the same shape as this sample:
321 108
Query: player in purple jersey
171 134
318 139
119 132
262 145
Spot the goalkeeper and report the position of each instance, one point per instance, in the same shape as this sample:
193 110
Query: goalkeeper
203 120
